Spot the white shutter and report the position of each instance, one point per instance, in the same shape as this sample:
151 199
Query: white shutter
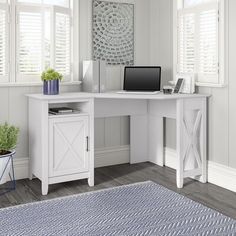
198 36
62 55
4 45
186 42
47 39
208 44
43 39
29 43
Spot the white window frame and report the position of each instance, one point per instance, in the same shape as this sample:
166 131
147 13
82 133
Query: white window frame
222 43
12 79
4 79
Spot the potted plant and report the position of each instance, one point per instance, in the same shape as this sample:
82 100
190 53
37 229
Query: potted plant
51 79
8 141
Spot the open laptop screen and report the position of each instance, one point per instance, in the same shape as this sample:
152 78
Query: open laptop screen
142 78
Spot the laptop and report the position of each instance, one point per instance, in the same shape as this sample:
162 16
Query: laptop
142 80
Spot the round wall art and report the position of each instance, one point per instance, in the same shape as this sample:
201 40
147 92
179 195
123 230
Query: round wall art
113 32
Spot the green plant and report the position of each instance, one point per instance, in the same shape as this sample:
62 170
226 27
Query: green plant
8 138
51 74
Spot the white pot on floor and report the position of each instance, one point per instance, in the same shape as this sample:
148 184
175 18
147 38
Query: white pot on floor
5 162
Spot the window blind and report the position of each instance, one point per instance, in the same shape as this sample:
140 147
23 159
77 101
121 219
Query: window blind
186 43
198 33
43 41
208 45
29 41
62 42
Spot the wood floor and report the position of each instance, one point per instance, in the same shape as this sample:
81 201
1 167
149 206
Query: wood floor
210 195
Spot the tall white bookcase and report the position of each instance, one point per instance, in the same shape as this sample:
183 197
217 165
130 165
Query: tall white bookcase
61 147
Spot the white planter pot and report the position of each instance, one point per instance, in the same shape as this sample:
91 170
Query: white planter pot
4 160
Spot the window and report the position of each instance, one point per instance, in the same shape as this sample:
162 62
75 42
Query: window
4 36
199 44
42 37
191 3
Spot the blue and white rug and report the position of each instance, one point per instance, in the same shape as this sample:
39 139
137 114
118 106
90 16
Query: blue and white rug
138 209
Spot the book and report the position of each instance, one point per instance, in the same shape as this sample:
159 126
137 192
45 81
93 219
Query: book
61 110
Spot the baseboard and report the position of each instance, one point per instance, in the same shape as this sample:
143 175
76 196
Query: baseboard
103 157
112 156
222 176
21 167
218 174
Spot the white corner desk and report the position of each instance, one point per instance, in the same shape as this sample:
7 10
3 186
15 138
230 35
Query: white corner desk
147 113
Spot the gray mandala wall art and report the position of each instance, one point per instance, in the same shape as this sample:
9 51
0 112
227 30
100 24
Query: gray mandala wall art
113 32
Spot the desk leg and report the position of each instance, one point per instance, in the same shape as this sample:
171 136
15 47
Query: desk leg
91 177
191 140
138 139
156 140
44 188
179 140
30 170
203 144
91 182
45 148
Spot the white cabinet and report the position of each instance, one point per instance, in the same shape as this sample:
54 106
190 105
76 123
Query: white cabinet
61 147
68 145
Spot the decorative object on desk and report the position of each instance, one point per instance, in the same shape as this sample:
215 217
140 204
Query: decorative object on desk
167 90
179 85
94 76
113 32
188 83
8 141
51 79
62 110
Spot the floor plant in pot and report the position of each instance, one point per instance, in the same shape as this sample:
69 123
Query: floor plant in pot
8 141
51 80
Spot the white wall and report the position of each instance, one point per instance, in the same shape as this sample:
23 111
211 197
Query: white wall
112 132
222 105
161 37
161 51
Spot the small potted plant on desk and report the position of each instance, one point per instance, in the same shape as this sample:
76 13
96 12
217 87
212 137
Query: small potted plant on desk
51 79
8 141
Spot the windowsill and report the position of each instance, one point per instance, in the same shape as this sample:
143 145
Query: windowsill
210 85
37 84
198 84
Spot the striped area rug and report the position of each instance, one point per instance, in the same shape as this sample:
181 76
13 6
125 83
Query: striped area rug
138 209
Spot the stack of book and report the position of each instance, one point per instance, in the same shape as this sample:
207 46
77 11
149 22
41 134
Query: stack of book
62 111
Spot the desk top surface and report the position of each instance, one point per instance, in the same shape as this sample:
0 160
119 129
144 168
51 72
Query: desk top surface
115 95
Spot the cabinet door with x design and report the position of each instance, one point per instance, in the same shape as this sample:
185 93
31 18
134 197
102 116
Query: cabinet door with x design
68 145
